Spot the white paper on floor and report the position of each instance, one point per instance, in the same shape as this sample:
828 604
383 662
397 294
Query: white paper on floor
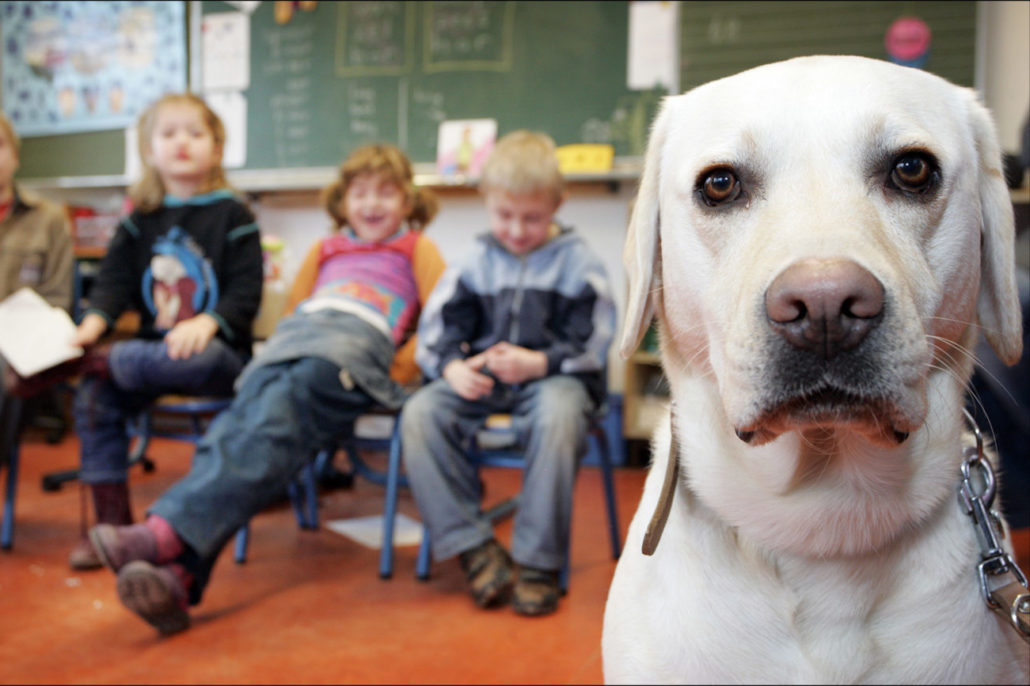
368 531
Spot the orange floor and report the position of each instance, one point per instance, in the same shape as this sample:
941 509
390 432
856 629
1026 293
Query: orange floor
307 607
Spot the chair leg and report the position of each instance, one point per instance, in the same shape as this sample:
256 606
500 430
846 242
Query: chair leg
422 563
601 436
311 496
7 532
304 497
242 539
13 421
393 477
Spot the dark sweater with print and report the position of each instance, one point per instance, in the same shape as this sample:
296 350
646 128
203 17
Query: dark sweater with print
188 256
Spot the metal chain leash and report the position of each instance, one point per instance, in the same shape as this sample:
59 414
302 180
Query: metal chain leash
1002 583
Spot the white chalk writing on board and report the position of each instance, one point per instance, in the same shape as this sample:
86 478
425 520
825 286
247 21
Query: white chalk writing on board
291 57
374 38
468 36
362 107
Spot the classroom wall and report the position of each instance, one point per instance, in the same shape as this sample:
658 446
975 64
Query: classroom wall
1005 50
600 213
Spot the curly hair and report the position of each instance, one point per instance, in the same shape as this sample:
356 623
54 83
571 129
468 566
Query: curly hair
389 161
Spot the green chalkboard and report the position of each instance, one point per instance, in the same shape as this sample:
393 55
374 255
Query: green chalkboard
97 153
348 73
718 39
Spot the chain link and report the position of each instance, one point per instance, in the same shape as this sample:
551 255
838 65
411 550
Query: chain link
1002 583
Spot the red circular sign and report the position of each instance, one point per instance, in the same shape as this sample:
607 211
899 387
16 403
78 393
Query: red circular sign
907 38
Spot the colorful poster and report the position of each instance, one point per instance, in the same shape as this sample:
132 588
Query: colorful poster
84 66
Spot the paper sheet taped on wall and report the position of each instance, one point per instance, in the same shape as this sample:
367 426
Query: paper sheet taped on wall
226 51
368 531
231 108
35 335
653 47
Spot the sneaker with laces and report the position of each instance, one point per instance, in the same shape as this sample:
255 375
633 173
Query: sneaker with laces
536 592
157 594
488 573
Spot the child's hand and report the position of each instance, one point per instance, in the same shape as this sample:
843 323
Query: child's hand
89 331
466 379
190 336
513 364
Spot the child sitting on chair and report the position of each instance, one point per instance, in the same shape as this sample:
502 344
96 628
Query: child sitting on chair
35 252
346 345
188 259
522 326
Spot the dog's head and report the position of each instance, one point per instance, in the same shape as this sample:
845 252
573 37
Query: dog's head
822 236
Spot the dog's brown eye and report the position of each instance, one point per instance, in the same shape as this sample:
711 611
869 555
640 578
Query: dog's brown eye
719 186
913 172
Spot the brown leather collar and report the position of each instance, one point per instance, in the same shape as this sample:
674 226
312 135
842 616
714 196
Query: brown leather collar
672 471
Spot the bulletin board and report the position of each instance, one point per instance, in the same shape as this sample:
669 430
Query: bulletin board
76 73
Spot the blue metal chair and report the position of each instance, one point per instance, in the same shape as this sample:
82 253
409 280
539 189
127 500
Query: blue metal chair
495 446
198 411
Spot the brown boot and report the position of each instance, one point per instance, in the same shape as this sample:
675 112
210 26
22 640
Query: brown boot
111 503
158 594
536 592
488 573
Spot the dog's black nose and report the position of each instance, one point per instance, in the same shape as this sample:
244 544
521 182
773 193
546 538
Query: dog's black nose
824 306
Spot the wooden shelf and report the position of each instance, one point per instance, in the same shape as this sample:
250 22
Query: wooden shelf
643 407
646 357
90 252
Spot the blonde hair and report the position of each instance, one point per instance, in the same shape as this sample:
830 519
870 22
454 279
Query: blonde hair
390 162
12 135
148 192
523 162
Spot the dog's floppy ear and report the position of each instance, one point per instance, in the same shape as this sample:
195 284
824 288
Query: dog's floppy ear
640 254
998 301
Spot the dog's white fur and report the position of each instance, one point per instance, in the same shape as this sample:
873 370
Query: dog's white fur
824 551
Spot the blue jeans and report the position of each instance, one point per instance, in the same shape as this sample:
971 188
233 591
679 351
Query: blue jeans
140 371
281 417
550 417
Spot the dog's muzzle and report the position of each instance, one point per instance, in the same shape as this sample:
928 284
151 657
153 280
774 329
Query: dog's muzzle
822 314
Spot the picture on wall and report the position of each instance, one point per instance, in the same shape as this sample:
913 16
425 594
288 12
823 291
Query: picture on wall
463 146
84 66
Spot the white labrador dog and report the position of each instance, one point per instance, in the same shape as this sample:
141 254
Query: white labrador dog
822 241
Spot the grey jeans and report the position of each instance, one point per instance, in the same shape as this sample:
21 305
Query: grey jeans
550 417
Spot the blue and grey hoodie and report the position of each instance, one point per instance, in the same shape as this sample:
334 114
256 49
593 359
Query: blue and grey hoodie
555 299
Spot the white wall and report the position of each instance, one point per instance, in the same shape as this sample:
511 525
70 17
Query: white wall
1006 75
